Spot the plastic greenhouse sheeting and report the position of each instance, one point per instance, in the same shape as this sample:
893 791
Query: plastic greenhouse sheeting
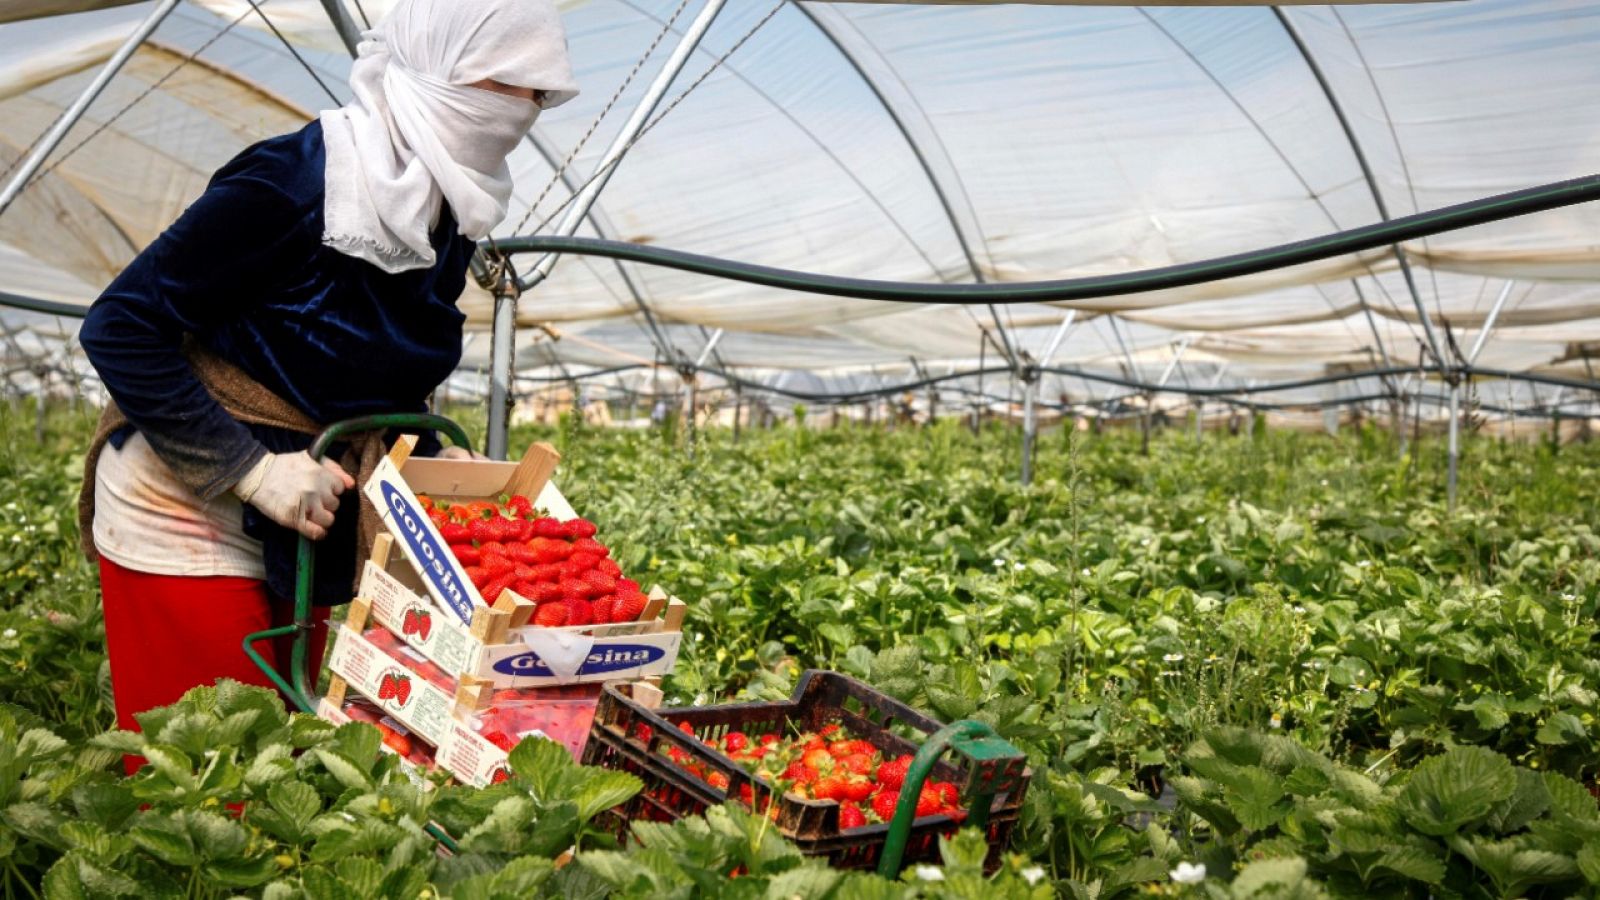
926 143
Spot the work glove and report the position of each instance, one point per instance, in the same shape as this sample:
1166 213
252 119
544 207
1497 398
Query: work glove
295 491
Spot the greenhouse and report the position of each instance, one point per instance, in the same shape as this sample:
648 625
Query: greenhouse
1142 449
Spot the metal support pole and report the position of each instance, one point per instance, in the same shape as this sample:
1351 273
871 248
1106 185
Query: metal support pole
738 409
349 34
1030 424
579 207
502 352
1455 444
1488 323
69 117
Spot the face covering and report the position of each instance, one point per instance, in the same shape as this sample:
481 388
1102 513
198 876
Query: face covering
415 136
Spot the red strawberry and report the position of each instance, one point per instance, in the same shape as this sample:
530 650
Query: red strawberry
547 527
818 761
547 550
408 622
643 732
543 593
610 567
590 545
500 739
386 686
467 554
856 788
550 615
524 589
948 794
500 775
798 773
883 804
523 572
686 728
547 572
893 774
477 576
718 780
522 553
829 787
735 741
455 533
573 589
402 692
829 730
480 531
857 764
601 582
579 528
496 565
768 738
602 610
579 563
580 612
928 802
424 624
493 590
628 607
851 816
520 506
625 585
522 531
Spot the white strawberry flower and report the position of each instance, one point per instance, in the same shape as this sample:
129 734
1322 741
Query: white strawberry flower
1188 873
928 873
1032 874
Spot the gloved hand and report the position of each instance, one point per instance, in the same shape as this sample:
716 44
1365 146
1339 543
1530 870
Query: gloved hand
296 491
454 452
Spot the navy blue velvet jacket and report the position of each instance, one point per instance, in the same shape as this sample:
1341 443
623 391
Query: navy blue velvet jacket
245 272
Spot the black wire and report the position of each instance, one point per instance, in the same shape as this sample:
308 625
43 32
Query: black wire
296 54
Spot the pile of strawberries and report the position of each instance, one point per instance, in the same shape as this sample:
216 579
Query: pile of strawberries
558 565
827 765
562 713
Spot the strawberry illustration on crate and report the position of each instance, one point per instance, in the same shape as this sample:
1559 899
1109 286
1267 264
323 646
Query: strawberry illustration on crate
395 685
417 621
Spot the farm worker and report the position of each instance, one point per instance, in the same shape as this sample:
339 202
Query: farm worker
314 280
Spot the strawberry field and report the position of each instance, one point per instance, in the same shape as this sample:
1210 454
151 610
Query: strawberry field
1264 665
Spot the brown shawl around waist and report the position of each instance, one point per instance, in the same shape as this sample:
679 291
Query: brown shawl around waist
249 402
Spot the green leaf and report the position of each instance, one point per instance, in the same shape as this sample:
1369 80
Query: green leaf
344 769
38 744
362 874
1413 863
174 764
1527 802
1589 863
603 789
62 881
241 873
217 836
1280 879
119 741
803 882
107 804
1562 728
272 763
1253 796
1449 791
165 838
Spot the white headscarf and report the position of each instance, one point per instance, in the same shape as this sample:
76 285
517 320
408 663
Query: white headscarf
415 134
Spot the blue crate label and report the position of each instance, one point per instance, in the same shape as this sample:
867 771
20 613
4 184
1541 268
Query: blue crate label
444 576
608 658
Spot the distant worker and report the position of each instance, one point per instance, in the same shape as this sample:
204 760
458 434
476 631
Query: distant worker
315 280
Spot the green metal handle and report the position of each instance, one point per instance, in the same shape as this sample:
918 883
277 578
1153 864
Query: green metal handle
305 560
975 740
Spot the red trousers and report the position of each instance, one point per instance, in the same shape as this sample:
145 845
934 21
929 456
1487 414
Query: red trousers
168 633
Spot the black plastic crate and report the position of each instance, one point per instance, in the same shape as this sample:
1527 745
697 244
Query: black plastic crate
617 740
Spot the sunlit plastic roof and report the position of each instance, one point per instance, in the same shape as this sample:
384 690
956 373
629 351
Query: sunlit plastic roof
929 143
